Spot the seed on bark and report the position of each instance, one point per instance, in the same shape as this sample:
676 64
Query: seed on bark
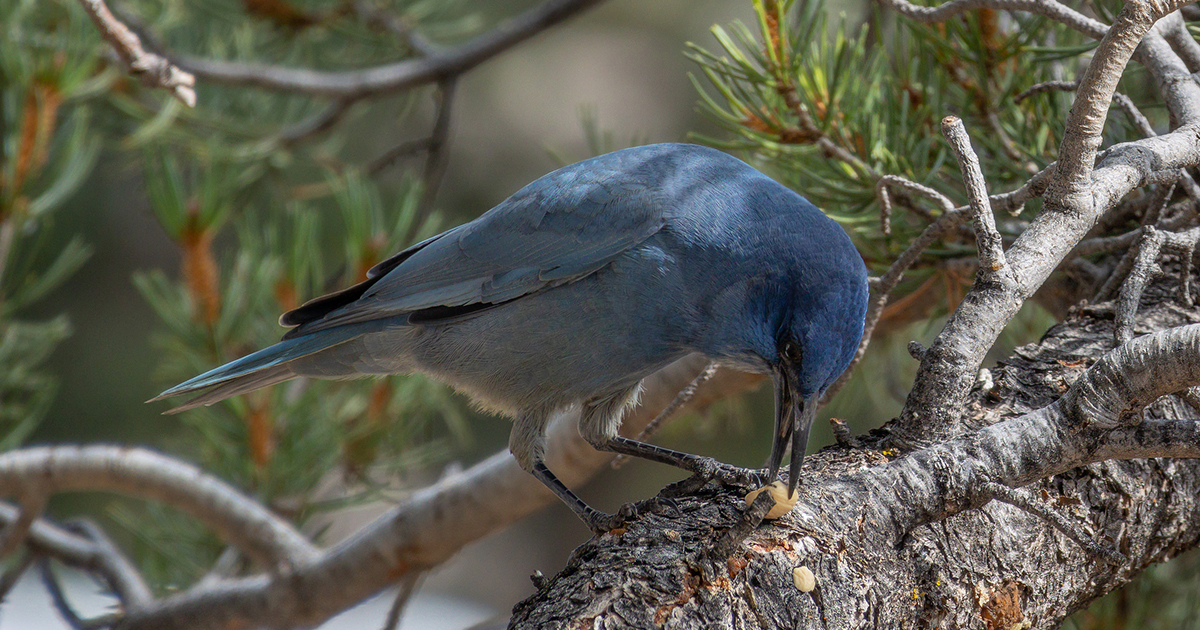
804 579
783 504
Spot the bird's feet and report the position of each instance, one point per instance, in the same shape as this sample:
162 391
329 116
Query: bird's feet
601 523
708 468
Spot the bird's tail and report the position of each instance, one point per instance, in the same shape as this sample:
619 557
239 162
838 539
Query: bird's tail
265 367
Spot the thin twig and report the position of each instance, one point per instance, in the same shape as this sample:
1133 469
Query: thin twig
1014 201
407 588
1046 8
987 238
380 19
1184 244
58 597
882 286
391 77
13 574
402 150
153 70
1180 38
815 136
665 415
1048 86
32 504
1135 115
885 198
1133 285
114 567
224 567
435 159
1157 202
318 124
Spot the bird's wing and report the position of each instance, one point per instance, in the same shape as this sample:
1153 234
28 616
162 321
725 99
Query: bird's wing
558 229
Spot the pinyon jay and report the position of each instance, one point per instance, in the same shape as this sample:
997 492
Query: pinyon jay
583 283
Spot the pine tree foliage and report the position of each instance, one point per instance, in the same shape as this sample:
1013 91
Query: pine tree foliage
263 221
47 149
830 108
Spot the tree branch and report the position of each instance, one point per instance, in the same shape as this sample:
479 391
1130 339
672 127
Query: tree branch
991 246
141 473
949 368
438 65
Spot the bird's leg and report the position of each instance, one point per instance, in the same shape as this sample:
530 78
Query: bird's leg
704 467
527 442
599 522
601 418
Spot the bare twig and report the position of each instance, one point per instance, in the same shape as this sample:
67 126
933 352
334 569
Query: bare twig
1048 86
1136 116
89 550
151 68
1152 243
1014 201
1157 202
1185 45
380 19
1046 8
58 597
398 152
13 574
881 288
118 572
817 137
421 531
407 587
319 123
223 568
1135 283
988 240
435 158
1085 122
885 197
32 504
1184 244
393 77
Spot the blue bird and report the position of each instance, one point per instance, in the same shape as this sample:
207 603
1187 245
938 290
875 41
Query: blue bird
583 283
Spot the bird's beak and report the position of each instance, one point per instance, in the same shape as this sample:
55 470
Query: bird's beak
784 409
794 417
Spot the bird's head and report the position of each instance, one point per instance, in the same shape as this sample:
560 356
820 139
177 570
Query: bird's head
816 338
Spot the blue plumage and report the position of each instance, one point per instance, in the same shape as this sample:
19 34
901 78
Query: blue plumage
586 281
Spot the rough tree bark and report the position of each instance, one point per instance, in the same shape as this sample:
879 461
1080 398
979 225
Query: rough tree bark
899 542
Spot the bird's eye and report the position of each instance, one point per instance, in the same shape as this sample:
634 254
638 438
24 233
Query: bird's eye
792 352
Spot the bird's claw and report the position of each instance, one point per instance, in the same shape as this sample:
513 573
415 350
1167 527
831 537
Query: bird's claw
601 523
710 469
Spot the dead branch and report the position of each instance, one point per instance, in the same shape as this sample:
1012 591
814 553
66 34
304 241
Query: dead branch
152 69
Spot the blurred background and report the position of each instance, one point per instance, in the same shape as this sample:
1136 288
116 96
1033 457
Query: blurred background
614 76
